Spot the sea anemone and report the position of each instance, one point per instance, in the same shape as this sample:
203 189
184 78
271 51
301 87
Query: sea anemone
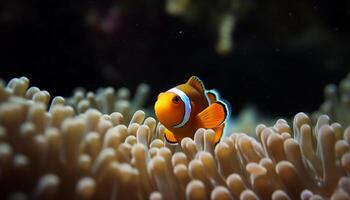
107 100
59 151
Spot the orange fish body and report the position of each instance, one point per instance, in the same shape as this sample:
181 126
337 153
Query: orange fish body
188 107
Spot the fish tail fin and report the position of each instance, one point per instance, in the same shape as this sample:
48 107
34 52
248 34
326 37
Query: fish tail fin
214 96
228 108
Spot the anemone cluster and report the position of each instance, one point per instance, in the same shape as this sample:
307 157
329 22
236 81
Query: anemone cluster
81 150
107 100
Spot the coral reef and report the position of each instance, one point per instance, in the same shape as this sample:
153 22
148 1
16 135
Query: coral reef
337 102
58 151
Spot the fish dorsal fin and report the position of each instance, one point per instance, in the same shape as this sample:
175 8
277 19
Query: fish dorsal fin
213 116
212 96
195 82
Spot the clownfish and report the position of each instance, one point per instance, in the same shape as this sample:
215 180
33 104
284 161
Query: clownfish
188 107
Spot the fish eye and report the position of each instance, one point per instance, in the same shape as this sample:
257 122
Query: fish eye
176 99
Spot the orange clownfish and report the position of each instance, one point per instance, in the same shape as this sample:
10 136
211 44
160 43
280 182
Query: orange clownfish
188 107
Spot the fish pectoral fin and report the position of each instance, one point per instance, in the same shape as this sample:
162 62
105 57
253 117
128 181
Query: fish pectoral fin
169 136
213 116
218 133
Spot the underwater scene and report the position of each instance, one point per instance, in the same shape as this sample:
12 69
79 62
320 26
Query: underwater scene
175 99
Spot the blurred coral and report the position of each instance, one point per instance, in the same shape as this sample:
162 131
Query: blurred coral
56 151
219 17
337 102
247 120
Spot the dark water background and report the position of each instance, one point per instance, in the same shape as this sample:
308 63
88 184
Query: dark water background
285 52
